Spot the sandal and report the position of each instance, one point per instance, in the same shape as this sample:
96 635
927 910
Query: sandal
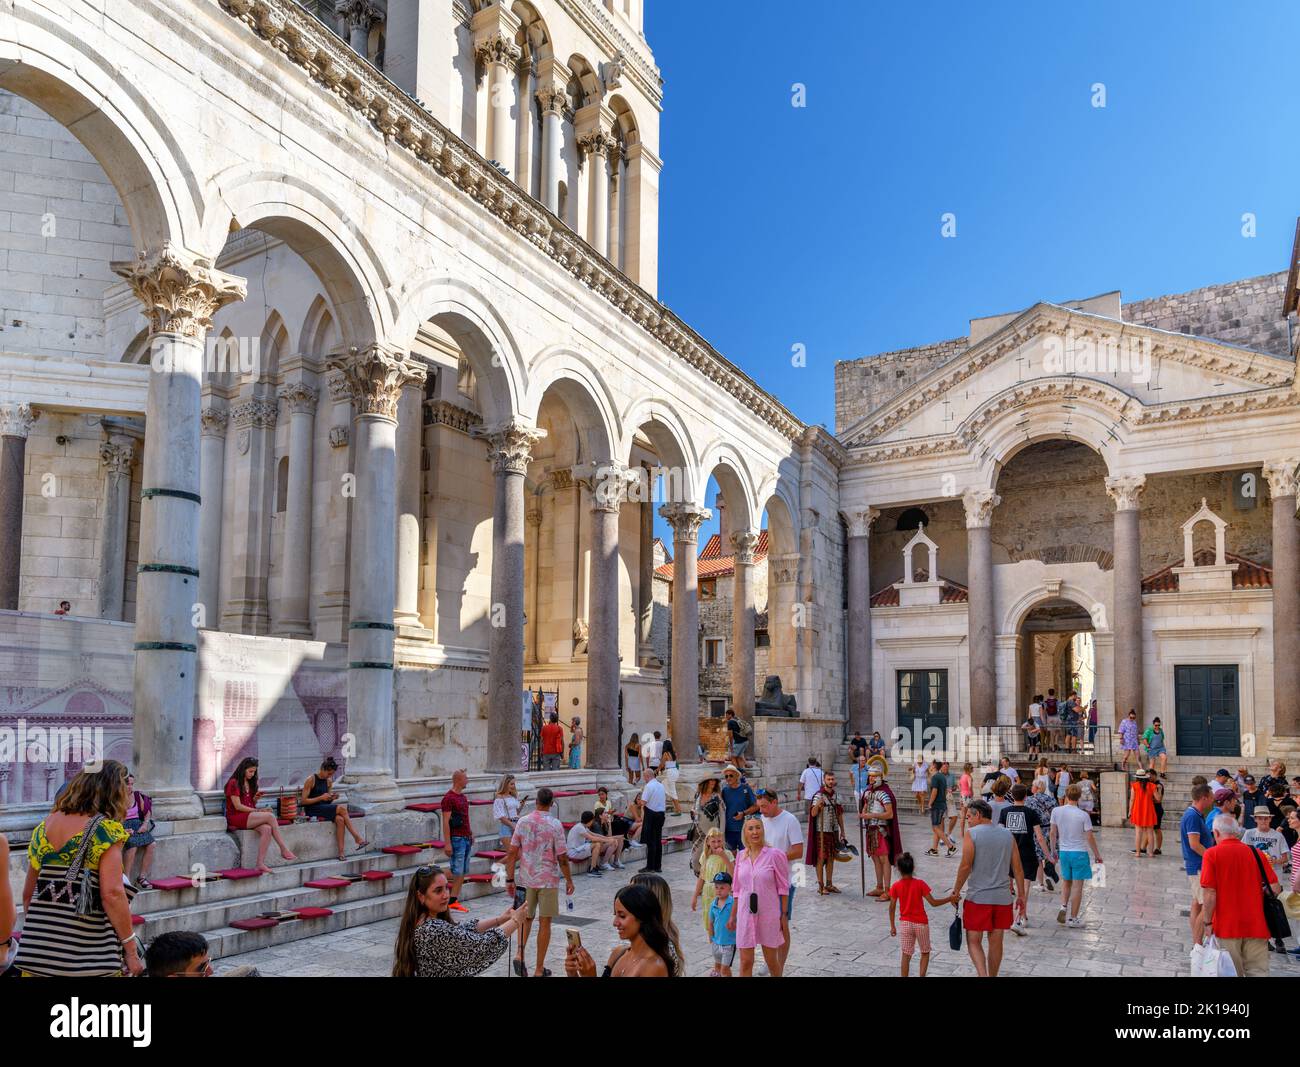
362 844
832 889
520 969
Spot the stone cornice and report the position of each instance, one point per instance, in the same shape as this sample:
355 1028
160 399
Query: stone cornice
1268 372
329 60
825 442
610 40
445 413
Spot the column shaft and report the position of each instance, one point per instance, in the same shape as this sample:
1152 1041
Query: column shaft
602 643
552 142
600 199
212 470
685 520
409 479
1125 490
1282 476
116 455
295 575
742 626
15 424
858 561
980 625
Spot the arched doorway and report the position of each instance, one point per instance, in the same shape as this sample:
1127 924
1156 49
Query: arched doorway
1057 652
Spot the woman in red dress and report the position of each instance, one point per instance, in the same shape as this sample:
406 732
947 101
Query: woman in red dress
1142 814
242 812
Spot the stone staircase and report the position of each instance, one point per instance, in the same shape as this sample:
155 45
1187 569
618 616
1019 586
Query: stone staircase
185 848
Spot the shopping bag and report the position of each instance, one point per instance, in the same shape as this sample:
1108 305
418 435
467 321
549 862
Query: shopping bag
1210 961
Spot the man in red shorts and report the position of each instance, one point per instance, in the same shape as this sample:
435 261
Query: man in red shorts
987 853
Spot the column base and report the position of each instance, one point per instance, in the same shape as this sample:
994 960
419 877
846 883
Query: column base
299 631
174 805
375 791
1287 749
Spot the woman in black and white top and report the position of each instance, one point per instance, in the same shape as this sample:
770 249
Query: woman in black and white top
431 945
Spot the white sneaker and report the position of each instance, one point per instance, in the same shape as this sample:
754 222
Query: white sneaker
607 867
1020 926
1074 924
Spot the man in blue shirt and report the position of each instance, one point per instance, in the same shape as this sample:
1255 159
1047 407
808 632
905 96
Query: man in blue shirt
738 800
1194 833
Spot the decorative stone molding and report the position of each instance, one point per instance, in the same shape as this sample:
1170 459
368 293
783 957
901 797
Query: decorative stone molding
743 545
259 412
553 100
180 293
339 386
358 15
16 419
445 413
510 445
686 520
784 569
606 482
821 440
1283 476
596 142
496 48
1204 514
339 437
561 478
859 521
117 458
328 60
377 374
300 397
1125 489
979 505
932 559
212 422
533 516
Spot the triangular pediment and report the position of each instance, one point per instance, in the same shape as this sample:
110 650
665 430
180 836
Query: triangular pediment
1050 354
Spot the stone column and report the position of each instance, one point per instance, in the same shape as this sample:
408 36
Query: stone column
1125 490
685 519
743 544
248 608
533 609
494 29
858 579
295 574
553 102
117 455
981 632
1283 481
606 483
510 447
597 146
615 155
180 295
376 374
15 424
410 477
332 608
357 17
646 577
212 472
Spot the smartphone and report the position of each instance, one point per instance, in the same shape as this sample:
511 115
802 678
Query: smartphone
575 938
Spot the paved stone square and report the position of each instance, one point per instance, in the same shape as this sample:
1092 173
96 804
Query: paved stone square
1136 925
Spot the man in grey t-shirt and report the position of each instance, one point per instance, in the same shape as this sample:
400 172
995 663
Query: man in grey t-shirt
990 861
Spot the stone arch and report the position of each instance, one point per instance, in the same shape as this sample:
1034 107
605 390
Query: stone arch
316 227
660 421
724 462
585 86
275 342
575 378
318 334
1013 617
482 332
1031 412
161 192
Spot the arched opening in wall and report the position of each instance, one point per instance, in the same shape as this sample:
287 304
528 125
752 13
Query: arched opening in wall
1054 505
912 519
281 484
624 208
1057 658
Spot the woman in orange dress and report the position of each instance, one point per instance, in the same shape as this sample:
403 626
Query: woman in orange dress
1142 814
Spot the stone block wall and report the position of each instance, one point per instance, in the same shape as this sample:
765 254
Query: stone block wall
61 224
1246 312
863 385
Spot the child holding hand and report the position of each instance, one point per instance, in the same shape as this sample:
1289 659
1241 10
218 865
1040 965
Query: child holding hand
910 895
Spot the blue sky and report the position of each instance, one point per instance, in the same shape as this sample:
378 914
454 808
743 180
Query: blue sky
821 225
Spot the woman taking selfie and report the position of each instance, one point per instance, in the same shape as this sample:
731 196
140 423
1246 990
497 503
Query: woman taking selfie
431 944
639 921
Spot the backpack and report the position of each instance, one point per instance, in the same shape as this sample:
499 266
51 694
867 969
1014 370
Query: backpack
745 730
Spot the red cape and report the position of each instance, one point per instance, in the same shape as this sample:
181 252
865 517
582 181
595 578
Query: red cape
894 837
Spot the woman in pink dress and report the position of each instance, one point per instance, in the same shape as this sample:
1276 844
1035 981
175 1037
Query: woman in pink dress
762 882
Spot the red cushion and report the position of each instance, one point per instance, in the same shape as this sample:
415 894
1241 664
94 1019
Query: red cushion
401 850
236 873
676 837
137 920
312 913
588 792
433 844
327 883
478 803
171 883
422 807
564 793
254 924
568 825
479 878
491 854
376 876
285 822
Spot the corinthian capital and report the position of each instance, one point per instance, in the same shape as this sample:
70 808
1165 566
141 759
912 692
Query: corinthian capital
117 456
16 419
686 520
743 545
1125 489
596 142
510 444
607 483
180 293
300 397
553 99
1283 476
357 14
213 422
497 48
859 521
376 375
979 504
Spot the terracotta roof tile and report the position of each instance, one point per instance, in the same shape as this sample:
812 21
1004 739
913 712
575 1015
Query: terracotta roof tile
712 565
1248 575
951 593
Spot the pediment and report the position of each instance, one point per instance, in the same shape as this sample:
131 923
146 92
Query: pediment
1049 356
80 701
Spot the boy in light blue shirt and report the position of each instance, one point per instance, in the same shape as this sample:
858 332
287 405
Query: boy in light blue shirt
721 937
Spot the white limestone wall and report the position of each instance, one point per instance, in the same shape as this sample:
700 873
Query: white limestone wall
919 638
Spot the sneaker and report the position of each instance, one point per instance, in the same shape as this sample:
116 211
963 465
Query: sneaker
458 906
595 873
1074 924
952 850
1050 883
932 852
1060 915
606 867
619 867
1020 926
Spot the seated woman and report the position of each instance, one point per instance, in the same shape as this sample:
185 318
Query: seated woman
431 944
242 812
635 815
505 809
140 825
320 802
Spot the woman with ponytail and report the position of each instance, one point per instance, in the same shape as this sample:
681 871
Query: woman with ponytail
430 944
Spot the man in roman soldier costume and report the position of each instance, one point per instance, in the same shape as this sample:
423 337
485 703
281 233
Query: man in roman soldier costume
879 814
826 830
